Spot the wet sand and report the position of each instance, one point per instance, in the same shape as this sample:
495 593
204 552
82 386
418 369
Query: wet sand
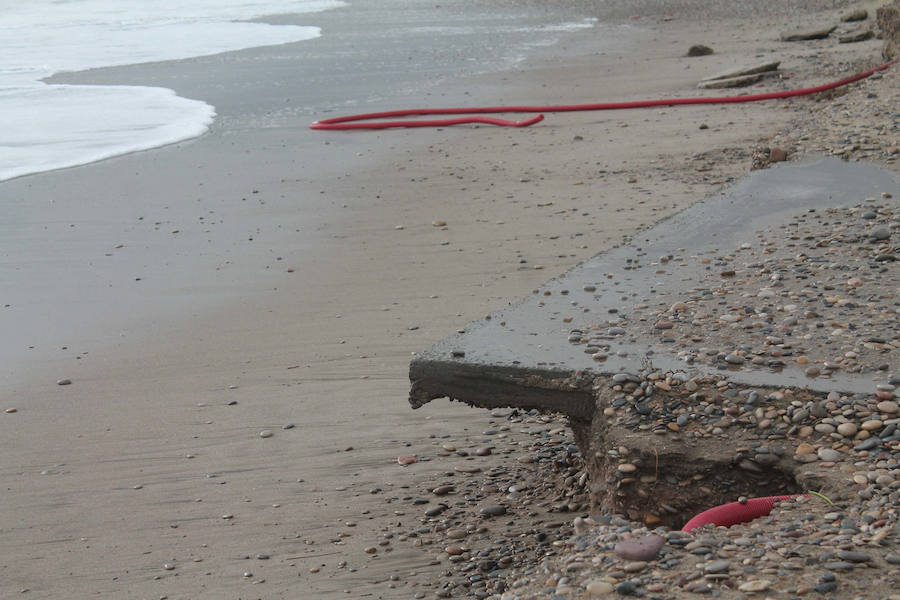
148 475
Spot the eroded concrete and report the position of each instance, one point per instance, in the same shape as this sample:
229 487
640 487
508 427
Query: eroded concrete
520 356
650 420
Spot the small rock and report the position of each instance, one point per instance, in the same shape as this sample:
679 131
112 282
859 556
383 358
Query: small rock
717 566
495 510
847 429
829 455
627 588
599 588
64 382
699 50
888 406
853 556
777 155
755 585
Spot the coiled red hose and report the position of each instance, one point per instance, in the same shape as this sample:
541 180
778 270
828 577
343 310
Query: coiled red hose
353 121
733 513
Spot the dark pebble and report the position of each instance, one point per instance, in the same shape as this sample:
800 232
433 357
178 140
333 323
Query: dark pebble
824 588
627 588
853 556
495 510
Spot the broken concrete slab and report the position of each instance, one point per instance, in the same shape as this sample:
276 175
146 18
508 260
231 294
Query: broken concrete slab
733 82
764 67
860 14
521 356
808 34
856 36
619 383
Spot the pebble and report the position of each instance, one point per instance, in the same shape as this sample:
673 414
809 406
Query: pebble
466 469
494 510
599 588
888 406
827 454
717 566
64 382
755 585
847 429
266 433
853 556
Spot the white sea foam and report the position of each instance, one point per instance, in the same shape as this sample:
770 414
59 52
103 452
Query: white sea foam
51 126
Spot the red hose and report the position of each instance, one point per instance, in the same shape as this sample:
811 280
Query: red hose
348 122
726 515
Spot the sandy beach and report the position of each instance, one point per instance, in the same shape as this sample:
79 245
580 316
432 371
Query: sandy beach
207 395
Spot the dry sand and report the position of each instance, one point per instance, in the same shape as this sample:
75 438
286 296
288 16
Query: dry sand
148 476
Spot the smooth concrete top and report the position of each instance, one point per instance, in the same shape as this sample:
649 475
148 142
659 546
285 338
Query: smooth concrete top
531 336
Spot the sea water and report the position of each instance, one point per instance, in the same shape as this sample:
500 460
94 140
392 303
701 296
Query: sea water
46 126
50 126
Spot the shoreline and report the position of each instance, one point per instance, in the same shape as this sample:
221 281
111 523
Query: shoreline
150 432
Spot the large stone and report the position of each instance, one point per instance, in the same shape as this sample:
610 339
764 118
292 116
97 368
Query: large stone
808 34
643 548
888 19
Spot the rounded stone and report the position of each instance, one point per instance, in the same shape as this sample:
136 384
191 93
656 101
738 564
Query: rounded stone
872 425
634 566
627 468
599 588
755 585
805 449
494 510
642 549
847 429
888 406
717 566
829 455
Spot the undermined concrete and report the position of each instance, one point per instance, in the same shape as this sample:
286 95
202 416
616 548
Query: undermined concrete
531 355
